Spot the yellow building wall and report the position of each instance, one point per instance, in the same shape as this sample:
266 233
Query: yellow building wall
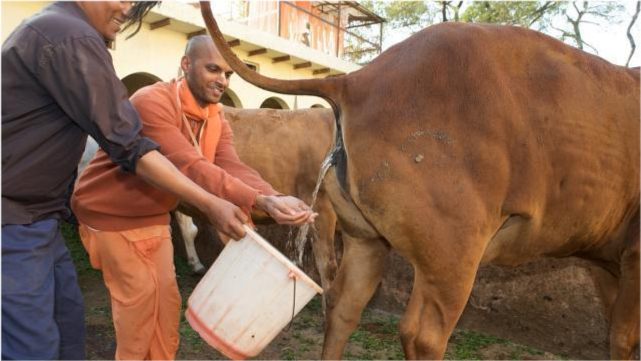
158 52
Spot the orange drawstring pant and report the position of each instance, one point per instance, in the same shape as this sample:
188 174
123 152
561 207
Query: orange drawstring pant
138 270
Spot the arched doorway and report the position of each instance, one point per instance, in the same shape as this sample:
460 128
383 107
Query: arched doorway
274 103
230 99
135 81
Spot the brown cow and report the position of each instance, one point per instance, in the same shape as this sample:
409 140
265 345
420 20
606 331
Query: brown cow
468 144
287 148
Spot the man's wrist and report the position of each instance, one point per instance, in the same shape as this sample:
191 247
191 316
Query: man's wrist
261 201
208 202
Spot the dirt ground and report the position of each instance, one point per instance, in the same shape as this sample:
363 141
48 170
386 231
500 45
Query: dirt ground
375 339
549 305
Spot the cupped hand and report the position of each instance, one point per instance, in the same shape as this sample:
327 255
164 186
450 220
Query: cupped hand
286 209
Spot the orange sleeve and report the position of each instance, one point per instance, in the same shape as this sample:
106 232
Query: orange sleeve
161 123
227 158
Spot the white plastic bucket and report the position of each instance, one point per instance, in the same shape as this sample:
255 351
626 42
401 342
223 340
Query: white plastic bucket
246 297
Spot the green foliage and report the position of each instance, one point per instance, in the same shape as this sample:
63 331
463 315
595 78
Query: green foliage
529 14
409 14
414 15
561 19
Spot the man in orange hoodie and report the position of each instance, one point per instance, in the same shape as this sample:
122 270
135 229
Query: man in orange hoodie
126 230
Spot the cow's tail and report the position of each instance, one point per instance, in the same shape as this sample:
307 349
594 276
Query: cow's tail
327 88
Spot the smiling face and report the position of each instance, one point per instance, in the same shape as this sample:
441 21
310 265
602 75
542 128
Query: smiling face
206 71
107 17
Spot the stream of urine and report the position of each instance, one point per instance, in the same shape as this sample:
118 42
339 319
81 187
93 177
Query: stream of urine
301 237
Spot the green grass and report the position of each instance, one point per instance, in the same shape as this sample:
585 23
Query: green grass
288 354
467 345
78 252
101 311
377 335
183 269
186 283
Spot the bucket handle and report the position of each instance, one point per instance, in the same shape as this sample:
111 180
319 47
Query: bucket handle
292 275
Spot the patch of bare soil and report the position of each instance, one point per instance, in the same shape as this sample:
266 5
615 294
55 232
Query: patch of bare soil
550 305
507 352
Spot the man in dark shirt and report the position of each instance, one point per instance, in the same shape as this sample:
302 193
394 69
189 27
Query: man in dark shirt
58 85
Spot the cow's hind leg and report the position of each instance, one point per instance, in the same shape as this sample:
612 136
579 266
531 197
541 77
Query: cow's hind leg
624 327
189 232
358 276
443 280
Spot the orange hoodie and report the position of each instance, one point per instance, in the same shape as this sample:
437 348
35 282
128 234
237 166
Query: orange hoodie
110 200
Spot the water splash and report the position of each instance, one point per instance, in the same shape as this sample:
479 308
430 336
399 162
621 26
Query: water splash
301 237
289 244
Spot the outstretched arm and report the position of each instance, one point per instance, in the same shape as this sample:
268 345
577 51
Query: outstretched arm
226 217
283 209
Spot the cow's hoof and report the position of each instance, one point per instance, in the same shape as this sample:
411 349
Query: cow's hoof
200 271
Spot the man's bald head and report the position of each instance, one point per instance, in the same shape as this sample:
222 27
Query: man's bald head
199 46
206 71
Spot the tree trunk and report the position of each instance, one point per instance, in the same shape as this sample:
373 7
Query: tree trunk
444 10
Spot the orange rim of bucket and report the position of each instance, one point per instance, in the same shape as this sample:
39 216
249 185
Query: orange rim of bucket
213 340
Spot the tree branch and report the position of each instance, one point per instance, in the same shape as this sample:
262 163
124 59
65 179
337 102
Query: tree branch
538 13
632 44
457 9
576 7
